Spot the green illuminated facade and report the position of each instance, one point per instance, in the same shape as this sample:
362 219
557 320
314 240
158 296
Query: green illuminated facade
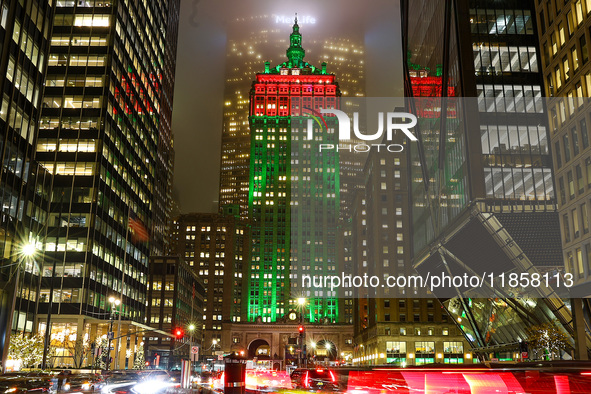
294 198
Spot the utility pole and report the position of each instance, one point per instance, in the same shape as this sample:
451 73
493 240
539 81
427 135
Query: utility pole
111 334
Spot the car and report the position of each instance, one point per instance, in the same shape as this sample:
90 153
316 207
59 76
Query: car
83 383
21 385
314 379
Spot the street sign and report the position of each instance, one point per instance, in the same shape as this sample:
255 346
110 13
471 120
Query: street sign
524 355
220 357
494 360
195 350
110 335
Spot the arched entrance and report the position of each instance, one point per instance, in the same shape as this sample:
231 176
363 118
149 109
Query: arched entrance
325 349
259 348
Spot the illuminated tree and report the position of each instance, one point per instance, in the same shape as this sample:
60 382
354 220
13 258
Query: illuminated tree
139 362
547 340
28 351
75 347
79 351
100 352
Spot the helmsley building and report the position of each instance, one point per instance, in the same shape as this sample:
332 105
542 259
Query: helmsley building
294 206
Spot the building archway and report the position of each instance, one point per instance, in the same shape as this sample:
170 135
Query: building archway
259 348
325 349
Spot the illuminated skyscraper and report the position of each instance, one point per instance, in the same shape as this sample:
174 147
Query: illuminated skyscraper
105 137
294 196
251 41
565 37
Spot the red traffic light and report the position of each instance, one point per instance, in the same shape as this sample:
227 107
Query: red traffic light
301 328
179 333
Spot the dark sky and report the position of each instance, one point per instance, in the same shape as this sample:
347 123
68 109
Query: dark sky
198 100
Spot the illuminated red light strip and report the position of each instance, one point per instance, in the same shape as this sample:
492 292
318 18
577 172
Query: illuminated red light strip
562 384
294 78
332 377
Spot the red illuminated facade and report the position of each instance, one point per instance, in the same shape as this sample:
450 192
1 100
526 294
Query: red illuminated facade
273 94
429 87
424 87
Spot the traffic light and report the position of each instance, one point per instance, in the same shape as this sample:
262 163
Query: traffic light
179 333
301 329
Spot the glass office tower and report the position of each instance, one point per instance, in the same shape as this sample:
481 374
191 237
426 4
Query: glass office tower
105 137
482 186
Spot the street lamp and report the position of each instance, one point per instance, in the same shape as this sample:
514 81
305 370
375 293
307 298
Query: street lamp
214 342
114 302
302 338
328 348
191 329
29 249
26 250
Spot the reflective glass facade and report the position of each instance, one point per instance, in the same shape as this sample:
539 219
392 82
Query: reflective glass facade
24 187
105 137
483 176
510 165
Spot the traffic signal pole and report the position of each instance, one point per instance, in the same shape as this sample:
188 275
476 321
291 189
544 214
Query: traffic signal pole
301 340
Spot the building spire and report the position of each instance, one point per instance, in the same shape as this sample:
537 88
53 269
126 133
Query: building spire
295 52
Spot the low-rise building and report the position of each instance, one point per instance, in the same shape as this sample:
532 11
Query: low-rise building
175 302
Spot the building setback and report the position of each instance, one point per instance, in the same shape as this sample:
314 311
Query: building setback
257 38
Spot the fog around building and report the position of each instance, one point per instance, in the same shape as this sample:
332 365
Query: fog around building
204 29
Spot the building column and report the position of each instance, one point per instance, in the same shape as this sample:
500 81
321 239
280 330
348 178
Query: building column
122 346
135 348
274 345
80 337
579 327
